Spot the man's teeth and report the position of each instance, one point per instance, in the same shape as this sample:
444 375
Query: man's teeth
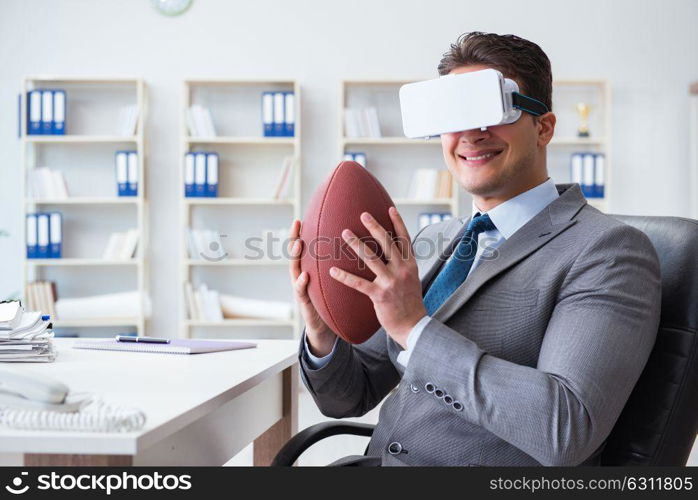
481 157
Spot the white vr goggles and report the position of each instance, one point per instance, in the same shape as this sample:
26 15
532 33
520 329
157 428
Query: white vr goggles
464 101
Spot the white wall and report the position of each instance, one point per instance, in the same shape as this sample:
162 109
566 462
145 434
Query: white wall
648 51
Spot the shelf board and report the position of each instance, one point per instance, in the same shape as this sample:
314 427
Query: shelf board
79 139
388 141
433 201
240 322
87 200
87 322
386 81
237 262
106 80
577 141
238 82
270 141
83 262
237 201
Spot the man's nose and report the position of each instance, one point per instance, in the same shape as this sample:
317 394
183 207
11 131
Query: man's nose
473 136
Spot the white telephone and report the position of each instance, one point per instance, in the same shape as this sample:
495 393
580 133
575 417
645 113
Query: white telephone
30 401
22 389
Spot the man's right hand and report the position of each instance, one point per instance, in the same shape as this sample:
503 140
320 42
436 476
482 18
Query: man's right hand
320 337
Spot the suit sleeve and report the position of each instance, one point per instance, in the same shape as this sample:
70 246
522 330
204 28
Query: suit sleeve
598 339
354 380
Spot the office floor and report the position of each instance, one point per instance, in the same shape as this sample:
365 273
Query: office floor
330 449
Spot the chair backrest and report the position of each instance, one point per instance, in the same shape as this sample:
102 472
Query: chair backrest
659 422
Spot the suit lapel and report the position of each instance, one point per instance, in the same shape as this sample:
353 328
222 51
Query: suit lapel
545 226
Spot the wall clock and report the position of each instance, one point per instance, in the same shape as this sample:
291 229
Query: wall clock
171 7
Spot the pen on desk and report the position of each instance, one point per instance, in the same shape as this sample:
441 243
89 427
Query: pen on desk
145 340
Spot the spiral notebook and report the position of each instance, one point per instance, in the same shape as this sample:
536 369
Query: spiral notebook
176 346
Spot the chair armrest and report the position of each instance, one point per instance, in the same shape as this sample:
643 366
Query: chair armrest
308 437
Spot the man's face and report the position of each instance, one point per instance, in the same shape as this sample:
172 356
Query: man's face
500 160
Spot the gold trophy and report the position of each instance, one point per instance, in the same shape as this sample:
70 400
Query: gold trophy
583 112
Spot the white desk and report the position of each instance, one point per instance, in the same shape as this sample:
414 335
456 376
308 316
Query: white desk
201 409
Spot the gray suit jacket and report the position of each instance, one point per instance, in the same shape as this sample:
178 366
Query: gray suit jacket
540 346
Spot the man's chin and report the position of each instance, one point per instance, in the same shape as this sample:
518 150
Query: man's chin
482 187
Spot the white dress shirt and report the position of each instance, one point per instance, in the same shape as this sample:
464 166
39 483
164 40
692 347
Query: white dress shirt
508 217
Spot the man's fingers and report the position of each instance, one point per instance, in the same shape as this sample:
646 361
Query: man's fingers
294 233
294 251
379 233
403 236
365 253
300 286
352 281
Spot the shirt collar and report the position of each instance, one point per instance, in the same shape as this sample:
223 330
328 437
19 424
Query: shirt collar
514 213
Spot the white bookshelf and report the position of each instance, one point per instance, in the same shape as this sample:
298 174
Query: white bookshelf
88 149
566 94
242 212
383 94
381 151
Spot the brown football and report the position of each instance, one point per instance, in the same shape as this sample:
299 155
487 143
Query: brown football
336 205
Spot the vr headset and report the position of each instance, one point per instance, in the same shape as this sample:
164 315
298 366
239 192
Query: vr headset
465 101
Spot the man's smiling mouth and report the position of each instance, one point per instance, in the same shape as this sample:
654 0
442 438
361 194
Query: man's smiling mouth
478 158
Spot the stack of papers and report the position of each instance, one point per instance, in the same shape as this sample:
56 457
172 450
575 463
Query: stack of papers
29 341
10 314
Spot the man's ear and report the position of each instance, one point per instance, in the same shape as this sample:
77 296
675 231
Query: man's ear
545 125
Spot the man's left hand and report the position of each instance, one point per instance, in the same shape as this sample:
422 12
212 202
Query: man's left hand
396 292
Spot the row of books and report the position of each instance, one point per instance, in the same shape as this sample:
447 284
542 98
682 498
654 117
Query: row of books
46 112
199 121
29 338
429 183
283 182
121 245
427 218
587 170
126 173
201 174
201 171
47 184
361 122
205 304
44 235
278 114
357 156
205 244
41 296
202 304
127 121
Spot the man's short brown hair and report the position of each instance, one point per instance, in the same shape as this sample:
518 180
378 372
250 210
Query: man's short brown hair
514 57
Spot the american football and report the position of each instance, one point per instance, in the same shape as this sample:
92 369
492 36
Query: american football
337 204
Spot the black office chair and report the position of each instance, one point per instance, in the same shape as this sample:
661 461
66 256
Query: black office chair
659 422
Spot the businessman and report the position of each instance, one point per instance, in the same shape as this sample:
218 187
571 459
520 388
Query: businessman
520 343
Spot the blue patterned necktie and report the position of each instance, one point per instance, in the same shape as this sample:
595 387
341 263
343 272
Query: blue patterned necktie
456 269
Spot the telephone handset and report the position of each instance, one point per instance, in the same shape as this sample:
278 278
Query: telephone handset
29 390
30 401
